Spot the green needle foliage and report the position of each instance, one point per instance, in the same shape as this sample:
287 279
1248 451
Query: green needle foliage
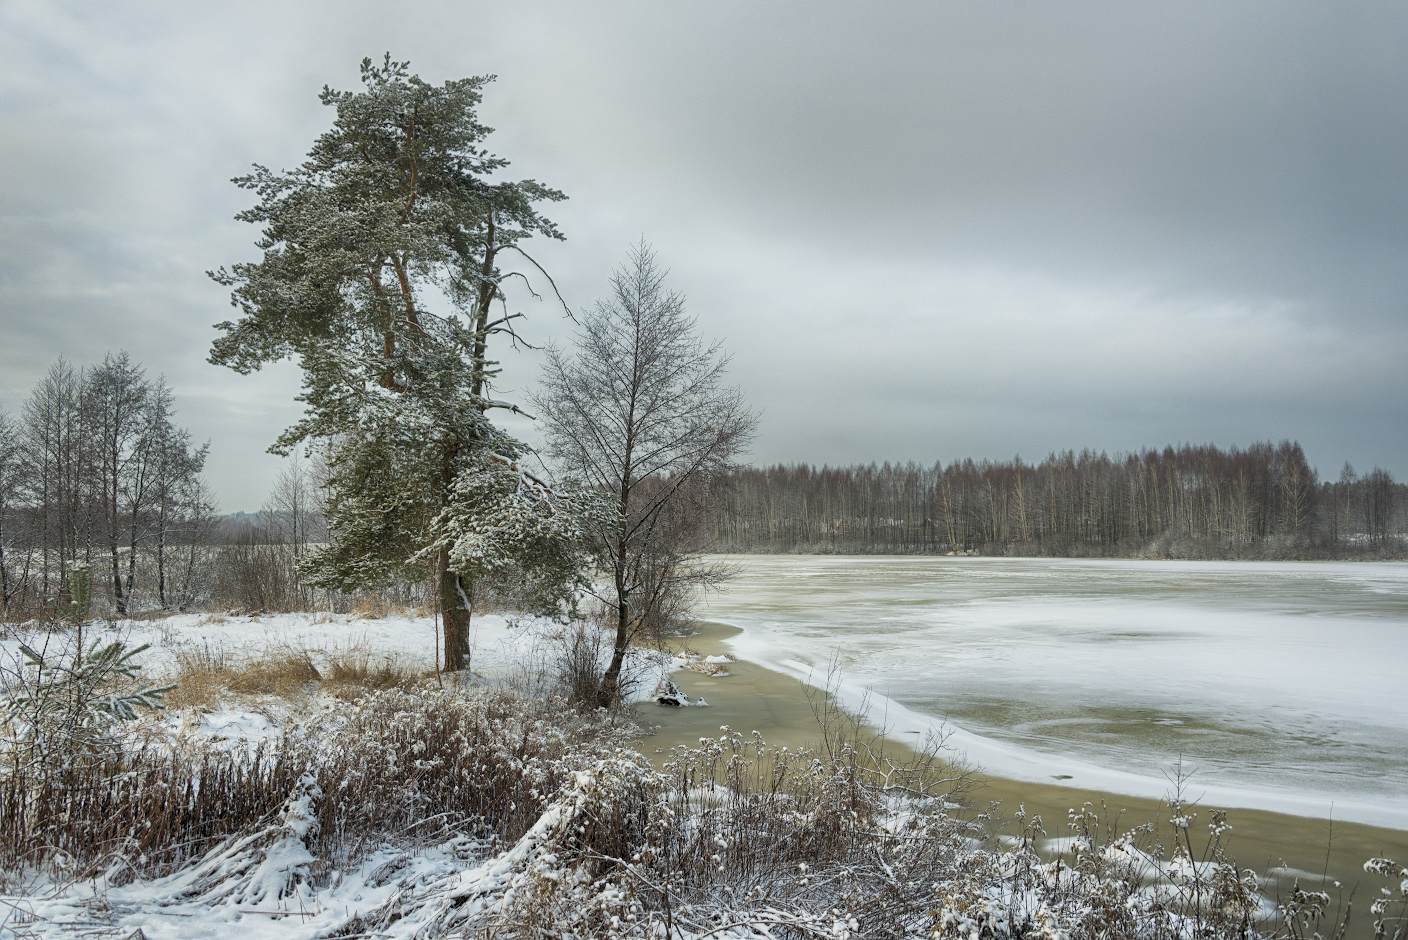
67 704
385 257
80 594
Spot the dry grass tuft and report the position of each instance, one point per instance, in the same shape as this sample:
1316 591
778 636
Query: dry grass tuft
202 673
352 673
205 672
285 673
373 607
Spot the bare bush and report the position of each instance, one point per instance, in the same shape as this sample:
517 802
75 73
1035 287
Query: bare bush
578 663
255 573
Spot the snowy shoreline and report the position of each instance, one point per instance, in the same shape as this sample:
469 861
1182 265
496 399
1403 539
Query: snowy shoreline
1028 765
276 879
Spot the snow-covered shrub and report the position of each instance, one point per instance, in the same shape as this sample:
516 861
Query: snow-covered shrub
738 832
1108 883
745 840
465 811
484 762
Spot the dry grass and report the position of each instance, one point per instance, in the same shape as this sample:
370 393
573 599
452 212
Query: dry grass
709 669
202 675
138 812
374 607
354 672
205 674
283 673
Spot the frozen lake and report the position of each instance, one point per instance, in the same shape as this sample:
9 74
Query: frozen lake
1283 685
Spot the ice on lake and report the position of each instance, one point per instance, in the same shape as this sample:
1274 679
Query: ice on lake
1282 684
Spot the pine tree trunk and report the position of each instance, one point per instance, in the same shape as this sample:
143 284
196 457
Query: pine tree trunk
455 608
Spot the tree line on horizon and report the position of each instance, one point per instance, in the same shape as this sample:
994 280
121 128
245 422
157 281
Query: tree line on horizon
1192 501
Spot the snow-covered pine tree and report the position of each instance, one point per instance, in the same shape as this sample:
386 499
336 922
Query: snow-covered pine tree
383 262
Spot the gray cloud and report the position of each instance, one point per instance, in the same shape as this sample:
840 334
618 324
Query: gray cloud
927 232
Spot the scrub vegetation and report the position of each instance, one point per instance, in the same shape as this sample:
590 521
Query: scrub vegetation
408 808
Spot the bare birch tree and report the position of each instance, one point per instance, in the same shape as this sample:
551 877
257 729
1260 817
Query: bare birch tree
55 454
639 409
293 511
10 585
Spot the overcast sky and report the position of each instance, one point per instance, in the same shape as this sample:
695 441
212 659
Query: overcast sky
926 231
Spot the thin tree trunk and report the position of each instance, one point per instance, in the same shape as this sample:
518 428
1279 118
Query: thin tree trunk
117 597
131 560
611 681
4 573
161 564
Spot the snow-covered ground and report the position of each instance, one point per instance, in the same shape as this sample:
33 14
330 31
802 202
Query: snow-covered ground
499 642
502 645
267 883
1281 684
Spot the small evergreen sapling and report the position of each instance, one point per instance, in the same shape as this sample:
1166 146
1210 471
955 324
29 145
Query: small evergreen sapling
80 594
65 703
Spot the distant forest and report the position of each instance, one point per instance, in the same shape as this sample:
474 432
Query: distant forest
1264 501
